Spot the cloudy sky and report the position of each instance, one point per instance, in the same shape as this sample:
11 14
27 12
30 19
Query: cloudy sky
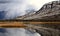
13 8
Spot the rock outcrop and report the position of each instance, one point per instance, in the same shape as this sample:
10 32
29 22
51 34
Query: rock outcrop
49 11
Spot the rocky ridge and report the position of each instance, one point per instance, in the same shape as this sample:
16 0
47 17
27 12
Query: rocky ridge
49 11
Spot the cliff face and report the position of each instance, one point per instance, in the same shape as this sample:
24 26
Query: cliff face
49 11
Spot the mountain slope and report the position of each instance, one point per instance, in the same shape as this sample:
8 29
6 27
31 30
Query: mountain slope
49 11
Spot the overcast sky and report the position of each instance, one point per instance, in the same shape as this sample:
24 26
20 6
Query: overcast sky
13 8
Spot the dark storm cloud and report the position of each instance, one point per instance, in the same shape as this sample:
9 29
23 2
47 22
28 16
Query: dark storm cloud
11 8
5 1
2 13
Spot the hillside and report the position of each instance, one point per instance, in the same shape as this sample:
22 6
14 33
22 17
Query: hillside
49 11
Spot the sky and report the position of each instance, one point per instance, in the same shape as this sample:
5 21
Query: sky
12 8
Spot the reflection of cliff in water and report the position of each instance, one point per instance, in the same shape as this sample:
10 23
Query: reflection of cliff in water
46 29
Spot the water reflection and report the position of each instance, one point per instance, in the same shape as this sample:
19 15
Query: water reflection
17 32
